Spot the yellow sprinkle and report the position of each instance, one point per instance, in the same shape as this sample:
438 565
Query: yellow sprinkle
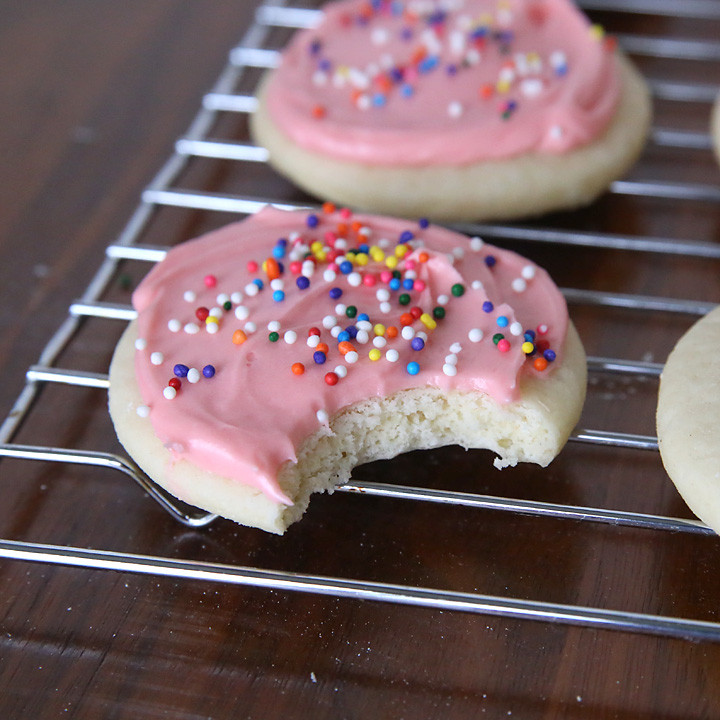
503 86
377 253
379 329
527 347
597 32
211 319
391 262
428 321
401 250
362 258
375 354
321 255
316 246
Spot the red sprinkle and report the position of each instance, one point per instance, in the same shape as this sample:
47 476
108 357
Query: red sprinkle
313 331
331 378
175 383
201 314
210 281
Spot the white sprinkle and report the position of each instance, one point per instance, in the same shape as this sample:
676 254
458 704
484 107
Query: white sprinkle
212 328
329 321
313 341
169 392
351 357
215 312
528 272
442 299
273 325
251 289
451 359
456 347
277 284
236 298
385 308
143 411
472 56
362 337
192 328
290 337
449 370
379 341
363 102
455 109
364 325
340 309
157 358
354 279
542 329
341 244
556 132
422 335
475 335
322 416
340 371
531 87
335 330
516 328
174 325
222 298
189 296
557 59
250 327
308 268
241 312
193 375
476 244
383 294
392 355
410 274
459 253
518 285
329 275
477 285
407 333
379 36
140 344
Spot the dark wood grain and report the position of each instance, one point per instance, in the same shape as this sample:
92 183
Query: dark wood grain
92 97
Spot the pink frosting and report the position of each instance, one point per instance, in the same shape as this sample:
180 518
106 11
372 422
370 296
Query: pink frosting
248 419
445 81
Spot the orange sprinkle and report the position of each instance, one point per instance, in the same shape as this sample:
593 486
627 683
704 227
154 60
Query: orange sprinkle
239 337
485 91
298 368
423 257
391 332
318 112
356 225
540 363
272 268
322 347
406 319
345 347
342 229
328 207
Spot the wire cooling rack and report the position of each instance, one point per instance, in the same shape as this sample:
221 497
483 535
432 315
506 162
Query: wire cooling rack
256 52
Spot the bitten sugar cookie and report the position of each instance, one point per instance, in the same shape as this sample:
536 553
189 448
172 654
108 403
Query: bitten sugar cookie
453 110
272 356
688 418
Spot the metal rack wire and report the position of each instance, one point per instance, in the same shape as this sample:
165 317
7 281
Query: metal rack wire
252 54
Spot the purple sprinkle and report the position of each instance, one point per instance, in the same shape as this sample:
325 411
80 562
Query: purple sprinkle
209 371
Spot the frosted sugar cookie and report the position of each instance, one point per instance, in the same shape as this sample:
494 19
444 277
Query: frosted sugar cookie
688 418
272 356
453 109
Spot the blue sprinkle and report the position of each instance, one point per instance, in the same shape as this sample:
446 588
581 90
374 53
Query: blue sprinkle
209 371
429 63
408 284
312 221
343 335
379 100
346 267
259 283
335 293
278 296
319 357
407 90
180 370
424 223
490 261
417 343
394 284
487 306
413 368
278 252
302 282
364 248
352 331
529 335
362 316
502 321
406 236
549 355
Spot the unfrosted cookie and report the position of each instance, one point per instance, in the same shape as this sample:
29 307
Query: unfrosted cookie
453 110
271 357
688 418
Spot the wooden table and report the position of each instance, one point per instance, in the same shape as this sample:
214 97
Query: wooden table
93 96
